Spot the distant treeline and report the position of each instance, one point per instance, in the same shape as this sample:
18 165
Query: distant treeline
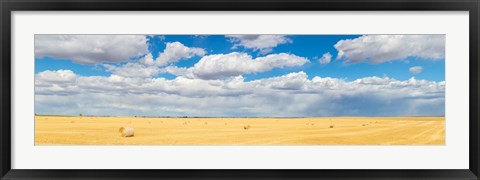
223 116
54 115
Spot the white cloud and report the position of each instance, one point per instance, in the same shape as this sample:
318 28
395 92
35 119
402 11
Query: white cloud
91 49
234 64
58 76
262 43
374 80
291 81
416 69
383 48
60 82
326 58
175 51
179 71
147 66
132 70
293 94
147 60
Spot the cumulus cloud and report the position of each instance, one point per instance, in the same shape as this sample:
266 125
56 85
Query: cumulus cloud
175 51
147 60
292 94
291 81
326 58
262 43
234 64
215 66
60 82
147 66
59 76
132 70
91 49
383 48
416 69
179 71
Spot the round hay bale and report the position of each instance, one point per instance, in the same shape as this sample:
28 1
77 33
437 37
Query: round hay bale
126 131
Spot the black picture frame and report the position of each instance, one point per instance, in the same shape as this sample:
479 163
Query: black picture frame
7 6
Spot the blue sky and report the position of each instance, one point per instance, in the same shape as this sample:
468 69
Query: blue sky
309 46
280 65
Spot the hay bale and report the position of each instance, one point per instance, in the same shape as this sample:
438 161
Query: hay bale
332 126
246 127
126 131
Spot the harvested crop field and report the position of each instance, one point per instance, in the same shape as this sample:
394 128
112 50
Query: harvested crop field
86 130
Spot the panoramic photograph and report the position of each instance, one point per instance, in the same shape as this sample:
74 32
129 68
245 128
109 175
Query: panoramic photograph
239 89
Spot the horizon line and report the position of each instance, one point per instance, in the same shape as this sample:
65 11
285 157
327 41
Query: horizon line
137 116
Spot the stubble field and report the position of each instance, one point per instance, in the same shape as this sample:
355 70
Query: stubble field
85 130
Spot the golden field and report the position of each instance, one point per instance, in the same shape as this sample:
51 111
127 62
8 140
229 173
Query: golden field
85 130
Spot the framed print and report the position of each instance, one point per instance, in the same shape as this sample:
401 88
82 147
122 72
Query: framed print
110 89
